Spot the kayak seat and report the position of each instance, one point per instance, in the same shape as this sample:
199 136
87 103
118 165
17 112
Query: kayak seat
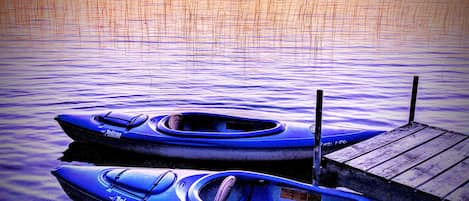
122 120
175 122
225 188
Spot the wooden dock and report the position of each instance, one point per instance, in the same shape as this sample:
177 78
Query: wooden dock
412 162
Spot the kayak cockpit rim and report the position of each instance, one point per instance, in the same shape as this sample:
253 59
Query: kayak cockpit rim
209 125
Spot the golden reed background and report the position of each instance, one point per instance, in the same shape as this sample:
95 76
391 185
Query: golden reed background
244 20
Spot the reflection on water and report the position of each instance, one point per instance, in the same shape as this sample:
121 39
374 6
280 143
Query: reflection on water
84 152
261 58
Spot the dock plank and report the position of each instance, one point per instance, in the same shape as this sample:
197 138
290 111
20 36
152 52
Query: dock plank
428 169
448 181
363 147
392 150
461 194
397 165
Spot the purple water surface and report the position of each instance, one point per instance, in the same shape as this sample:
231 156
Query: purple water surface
366 82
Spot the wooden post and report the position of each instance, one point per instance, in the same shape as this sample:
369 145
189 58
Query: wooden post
317 138
414 99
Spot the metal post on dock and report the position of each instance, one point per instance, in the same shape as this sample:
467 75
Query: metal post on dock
414 99
317 138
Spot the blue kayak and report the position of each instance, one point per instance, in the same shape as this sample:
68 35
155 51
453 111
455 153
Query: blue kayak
147 184
196 135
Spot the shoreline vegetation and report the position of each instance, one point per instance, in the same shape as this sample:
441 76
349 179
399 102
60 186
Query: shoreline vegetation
249 22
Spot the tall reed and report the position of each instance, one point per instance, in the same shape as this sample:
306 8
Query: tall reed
274 21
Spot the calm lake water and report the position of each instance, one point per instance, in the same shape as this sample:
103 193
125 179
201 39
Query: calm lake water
251 58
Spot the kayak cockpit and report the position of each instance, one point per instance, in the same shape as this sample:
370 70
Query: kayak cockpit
194 124
240 185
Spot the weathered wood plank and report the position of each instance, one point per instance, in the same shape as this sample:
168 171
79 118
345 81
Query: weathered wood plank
389 151
415 156
428 169
373 187
366 146
462 194
448 181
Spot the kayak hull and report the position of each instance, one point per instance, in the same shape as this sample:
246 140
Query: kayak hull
76 193
282 142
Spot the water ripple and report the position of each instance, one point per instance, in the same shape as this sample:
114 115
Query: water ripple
271 70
